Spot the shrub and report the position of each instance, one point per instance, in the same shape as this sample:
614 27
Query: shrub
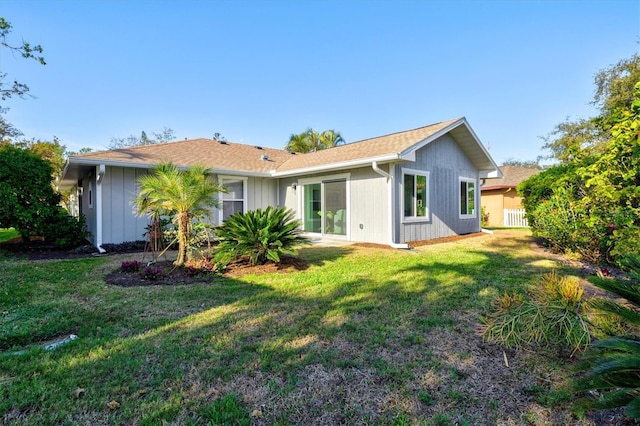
611 369
260 235
130 266
65 231
152 272
125 247
554 314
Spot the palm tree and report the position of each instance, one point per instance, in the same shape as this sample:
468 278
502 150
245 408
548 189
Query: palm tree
311 140
184 194
331 138
298 143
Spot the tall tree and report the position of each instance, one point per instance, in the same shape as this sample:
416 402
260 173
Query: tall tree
575 139
183 194
8 90
165 135
311 140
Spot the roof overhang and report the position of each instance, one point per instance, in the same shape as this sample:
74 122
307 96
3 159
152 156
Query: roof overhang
338 166
468 142
76 167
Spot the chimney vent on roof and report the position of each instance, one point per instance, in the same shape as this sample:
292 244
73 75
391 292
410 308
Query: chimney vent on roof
264 157
222 142
258 147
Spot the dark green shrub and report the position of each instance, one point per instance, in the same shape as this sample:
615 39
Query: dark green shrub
260 235
65 231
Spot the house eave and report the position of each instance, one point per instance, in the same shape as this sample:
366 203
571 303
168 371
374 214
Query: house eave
86 162
338 166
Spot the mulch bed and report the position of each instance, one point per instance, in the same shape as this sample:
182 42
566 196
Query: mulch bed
42 250
180 276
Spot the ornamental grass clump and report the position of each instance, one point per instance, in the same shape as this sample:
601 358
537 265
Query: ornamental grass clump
553 315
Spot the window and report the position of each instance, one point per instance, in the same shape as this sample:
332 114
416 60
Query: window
467 198
234 200
416 194
90 201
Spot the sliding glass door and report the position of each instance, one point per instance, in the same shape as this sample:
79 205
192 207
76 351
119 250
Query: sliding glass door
325 207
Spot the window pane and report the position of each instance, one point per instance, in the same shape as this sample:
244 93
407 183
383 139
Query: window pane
463 197
229 208
234 190
335 207
312 208
471 197
409 195
421 195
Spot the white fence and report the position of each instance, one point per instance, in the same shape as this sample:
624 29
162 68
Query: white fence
514 218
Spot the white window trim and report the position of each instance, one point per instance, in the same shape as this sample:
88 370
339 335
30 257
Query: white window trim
475 202
221 179
413 219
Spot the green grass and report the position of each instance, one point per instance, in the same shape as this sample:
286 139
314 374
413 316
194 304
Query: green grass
7 234
364 336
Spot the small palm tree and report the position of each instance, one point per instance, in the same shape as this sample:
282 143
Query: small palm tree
184 194
331 138
260 235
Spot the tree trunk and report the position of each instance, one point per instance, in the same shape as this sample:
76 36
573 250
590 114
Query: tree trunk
183 238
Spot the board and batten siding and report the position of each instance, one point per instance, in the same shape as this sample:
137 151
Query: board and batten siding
446 164
119 221
369 206
87 209
368 203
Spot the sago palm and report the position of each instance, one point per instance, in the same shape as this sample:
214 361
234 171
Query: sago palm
260 235
184 194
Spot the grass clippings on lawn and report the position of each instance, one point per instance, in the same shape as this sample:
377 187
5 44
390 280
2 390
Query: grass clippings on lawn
363 336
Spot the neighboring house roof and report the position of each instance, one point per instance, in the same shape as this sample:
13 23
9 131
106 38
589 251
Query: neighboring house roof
511 177
234 158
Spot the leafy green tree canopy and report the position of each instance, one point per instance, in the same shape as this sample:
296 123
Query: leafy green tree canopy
574 139
311 140
26 194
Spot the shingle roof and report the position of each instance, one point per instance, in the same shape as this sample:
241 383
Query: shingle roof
208 152
394 143
512 176
241 158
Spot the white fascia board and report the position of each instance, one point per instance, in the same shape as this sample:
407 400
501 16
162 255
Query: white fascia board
491 173
112 163
336 166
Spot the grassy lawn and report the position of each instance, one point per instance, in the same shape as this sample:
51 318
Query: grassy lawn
7 234
364 336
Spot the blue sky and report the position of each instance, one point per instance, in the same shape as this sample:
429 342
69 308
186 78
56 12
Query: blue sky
258 71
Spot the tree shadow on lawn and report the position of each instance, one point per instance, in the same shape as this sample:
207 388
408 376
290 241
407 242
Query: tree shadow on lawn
364 352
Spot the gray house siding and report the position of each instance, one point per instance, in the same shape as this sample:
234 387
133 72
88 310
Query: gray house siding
368 202
119 221
87 208
369 206
446 164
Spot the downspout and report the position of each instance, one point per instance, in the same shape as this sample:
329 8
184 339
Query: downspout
392 210
100 170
